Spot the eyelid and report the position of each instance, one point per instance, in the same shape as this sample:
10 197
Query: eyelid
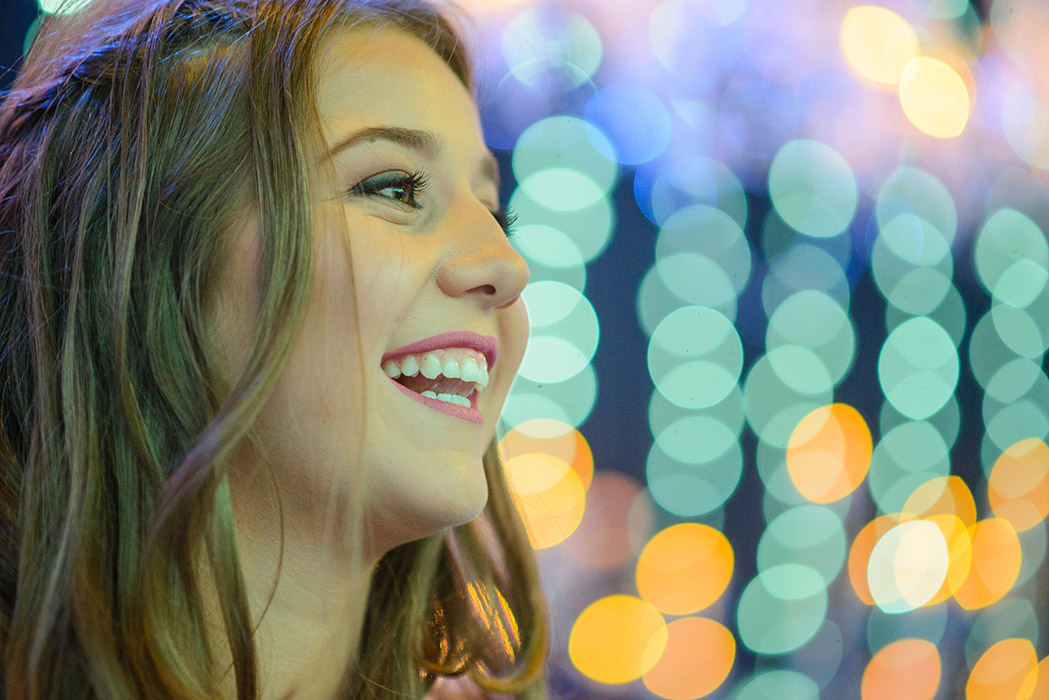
411 183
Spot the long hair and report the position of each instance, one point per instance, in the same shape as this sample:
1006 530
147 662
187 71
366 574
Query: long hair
132 136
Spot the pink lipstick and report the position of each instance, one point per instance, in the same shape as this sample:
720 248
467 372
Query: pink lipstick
484 344
487 344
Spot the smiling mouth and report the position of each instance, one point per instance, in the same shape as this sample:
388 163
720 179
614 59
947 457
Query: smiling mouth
453 375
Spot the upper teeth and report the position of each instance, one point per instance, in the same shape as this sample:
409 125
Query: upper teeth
472 367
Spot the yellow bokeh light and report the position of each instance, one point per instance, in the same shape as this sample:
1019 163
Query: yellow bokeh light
1038 680
829 453
549 496
617 639
943 495
1006 670
996 558
934 97
959 555
685 568
1018 488
697 660
907 669
877 43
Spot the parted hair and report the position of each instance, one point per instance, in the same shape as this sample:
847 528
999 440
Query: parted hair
132 137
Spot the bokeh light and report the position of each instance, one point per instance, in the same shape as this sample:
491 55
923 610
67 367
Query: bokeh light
564 332
934 97
918 368
779 685
685 568
540 46
781 609
636 123
825 223
549 496
829 453
1004 671
907 566
877 43
1041 680
62 6
862 549
908 669
617 639
695 357
996 556
809 535
1018 488
697 660
812 188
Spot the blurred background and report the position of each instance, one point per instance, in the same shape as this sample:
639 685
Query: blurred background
780 433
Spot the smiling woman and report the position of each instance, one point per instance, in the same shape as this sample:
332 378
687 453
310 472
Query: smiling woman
261 315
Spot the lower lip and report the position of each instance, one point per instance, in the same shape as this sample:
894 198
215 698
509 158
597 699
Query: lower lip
471 414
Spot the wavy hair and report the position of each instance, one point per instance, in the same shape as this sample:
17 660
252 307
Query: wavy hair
134 133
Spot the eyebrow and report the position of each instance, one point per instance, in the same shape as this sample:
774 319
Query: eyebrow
426 142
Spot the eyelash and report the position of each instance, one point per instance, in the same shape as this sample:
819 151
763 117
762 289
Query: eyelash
507 220
411 185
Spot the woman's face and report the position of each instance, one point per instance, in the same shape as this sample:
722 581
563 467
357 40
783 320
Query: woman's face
432 291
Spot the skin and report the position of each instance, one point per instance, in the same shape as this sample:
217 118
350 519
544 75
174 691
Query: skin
361 468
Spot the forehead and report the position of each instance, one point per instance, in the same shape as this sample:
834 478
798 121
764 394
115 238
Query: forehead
385 77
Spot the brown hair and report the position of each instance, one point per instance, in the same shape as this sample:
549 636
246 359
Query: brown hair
132 134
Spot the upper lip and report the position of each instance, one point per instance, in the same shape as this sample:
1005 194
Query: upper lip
487 344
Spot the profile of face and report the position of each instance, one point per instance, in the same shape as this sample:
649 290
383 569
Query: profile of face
414 328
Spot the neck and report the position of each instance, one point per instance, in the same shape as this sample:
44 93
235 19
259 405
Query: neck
307 586
308 639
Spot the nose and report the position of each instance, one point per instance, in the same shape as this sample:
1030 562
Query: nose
480 263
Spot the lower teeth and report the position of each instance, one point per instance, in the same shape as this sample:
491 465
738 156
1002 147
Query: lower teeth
448 398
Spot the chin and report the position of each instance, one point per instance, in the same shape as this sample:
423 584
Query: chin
426 507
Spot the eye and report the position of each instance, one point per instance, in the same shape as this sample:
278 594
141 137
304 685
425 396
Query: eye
507 220
396 185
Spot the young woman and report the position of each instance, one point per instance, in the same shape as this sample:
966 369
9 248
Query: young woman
259 319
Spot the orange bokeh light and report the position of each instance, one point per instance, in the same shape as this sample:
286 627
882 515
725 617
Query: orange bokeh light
1038 678
907 669
617 639
697 660
1006 670
996 558
1018 488
943 495
549 496
829 453
685 568
552 437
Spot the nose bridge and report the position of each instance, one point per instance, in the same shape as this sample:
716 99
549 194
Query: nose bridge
479 261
